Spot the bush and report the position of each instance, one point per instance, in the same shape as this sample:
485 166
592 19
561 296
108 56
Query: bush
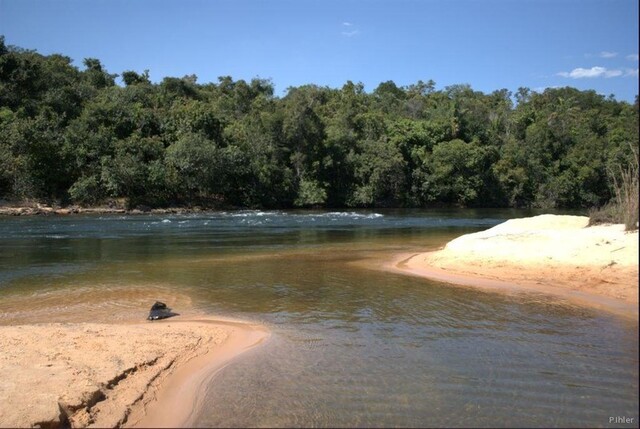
609 213
86 191
624 205
626 195
311 193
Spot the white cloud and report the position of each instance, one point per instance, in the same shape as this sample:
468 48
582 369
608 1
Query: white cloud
595 71
612 73
350 33
606 54
347 24
632 57
631 72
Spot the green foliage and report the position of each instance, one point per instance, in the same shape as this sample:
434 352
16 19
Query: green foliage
86 190
74 135
195 167
379 174
191 116
458 172
130 77
310 194
136 171
96 75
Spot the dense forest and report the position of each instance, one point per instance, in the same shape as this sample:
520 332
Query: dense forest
84 136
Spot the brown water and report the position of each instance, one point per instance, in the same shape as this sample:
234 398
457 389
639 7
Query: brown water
351 346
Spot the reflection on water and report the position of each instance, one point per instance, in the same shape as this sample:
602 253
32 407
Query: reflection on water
350 346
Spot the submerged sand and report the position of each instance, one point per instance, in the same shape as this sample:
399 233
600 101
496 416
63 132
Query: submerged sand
554 254
112 375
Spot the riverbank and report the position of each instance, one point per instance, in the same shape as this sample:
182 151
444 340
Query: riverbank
113 375
557 255
114 207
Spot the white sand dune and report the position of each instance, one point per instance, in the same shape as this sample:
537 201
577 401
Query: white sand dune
549 253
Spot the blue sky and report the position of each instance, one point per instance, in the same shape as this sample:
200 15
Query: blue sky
489 44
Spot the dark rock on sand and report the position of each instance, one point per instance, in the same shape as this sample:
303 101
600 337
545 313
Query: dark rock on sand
159 310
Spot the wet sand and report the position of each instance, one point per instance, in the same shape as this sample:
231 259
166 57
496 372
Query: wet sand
556 255
111 375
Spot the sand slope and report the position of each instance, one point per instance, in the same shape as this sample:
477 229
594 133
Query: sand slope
546 252
101 375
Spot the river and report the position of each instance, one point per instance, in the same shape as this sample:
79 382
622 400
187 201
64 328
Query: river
350 345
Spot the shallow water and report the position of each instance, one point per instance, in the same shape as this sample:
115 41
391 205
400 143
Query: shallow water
351 346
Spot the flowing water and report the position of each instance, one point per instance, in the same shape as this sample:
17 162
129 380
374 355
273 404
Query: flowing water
350 345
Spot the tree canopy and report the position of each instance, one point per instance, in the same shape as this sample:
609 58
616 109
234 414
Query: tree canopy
75 135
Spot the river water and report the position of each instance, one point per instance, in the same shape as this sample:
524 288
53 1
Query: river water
350 345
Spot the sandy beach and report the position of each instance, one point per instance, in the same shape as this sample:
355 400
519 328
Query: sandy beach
557 255
114 375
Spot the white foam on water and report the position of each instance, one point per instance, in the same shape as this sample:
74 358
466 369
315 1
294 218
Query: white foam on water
350 215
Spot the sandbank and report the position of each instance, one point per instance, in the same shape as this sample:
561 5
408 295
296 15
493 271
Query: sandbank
552 254
148 374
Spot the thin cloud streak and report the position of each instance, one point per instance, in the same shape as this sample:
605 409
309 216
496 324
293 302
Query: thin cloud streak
606 54
349 30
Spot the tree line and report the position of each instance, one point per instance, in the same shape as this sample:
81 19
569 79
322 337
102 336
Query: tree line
77 136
